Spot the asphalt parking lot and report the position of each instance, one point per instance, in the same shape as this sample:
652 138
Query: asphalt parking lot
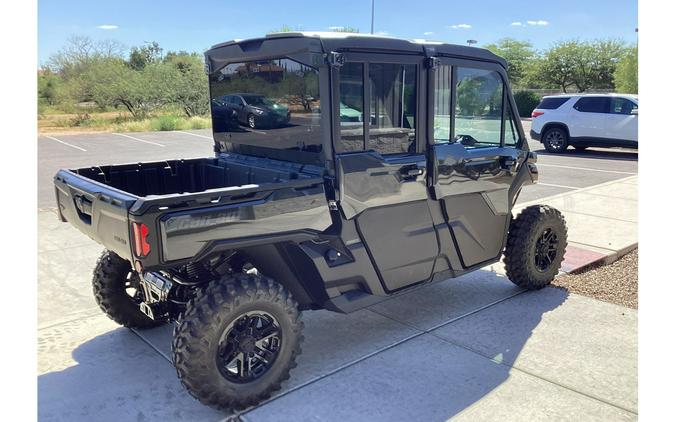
558 173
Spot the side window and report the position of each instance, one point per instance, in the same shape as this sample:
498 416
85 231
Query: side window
511 137
592 105
442 93
393 108
622 106
478 110
351 108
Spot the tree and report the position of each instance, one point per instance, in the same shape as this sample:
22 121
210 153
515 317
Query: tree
114 83
189 84
50 88
518 55
626 72
558 65
142 56
79 53
584 65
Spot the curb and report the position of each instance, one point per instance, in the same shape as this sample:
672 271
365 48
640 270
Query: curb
608 259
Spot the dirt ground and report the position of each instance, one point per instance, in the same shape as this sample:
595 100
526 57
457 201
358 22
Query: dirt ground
615 283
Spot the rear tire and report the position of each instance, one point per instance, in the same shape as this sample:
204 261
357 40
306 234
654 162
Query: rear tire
535 247
555 140
237 341
113 278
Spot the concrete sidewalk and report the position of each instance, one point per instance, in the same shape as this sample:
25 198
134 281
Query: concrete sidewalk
471 348
602 221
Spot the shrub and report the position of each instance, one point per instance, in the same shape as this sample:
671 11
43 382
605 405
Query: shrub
168 122
133 126
526 101
199 122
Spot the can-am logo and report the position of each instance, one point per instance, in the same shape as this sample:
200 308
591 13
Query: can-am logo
195 222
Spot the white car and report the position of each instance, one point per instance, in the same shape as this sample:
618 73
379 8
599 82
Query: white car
586 120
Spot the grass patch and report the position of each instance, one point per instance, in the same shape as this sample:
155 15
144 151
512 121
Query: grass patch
168 122
197 122
118 122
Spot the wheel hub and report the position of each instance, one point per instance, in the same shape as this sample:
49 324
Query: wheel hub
248 347
546 250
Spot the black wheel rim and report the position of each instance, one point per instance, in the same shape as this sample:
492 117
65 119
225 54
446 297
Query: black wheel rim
555 139
249 347
546 250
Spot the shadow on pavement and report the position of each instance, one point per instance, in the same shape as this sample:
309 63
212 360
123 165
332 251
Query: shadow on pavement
433 376
117 377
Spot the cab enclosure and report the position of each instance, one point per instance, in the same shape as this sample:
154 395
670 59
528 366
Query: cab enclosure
347 167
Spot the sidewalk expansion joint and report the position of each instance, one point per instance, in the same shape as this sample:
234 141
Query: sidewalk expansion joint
596 216
76 316
152 346
532 374
420 332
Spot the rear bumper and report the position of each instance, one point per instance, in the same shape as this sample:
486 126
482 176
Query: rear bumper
534 135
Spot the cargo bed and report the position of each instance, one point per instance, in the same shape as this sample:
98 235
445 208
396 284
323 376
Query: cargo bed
188 203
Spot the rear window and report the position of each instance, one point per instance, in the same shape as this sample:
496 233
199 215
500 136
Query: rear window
552 103
593 105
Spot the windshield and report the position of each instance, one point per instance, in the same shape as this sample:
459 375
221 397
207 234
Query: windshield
268 108
258 101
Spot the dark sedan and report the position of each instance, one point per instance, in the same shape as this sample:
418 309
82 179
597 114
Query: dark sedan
256 110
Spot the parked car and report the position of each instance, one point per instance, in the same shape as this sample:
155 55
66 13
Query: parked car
255 110
232 247
586 120
348 114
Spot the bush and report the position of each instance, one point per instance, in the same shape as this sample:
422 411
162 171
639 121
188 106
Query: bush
168 122
526 101
199 122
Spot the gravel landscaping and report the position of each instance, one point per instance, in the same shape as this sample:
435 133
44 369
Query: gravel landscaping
615 283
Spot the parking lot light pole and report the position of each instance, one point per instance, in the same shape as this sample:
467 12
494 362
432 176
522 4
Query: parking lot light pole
372 17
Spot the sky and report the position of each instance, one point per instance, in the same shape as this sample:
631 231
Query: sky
195 25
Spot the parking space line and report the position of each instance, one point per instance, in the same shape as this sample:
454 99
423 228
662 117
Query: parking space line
139 140
584 168
194 134
65 143
558 186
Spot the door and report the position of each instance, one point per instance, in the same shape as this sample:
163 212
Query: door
382 169
622 120
239 108
475 154
588 117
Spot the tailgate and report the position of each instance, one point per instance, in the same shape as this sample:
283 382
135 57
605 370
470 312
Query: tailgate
97 210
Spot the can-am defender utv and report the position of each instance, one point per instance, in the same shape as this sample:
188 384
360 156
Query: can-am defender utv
347 169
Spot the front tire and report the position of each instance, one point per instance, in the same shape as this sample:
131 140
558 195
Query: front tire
555 140
117 291
237 341
535 247
250 121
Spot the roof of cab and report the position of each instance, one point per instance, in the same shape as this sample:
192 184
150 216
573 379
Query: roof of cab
344 41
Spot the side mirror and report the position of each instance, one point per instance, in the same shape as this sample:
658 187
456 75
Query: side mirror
634 112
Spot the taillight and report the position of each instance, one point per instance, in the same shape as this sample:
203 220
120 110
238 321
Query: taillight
141 245
537 113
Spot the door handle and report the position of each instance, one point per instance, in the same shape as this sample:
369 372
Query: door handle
415 171
509 163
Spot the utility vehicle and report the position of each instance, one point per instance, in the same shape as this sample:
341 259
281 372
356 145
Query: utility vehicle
315 213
